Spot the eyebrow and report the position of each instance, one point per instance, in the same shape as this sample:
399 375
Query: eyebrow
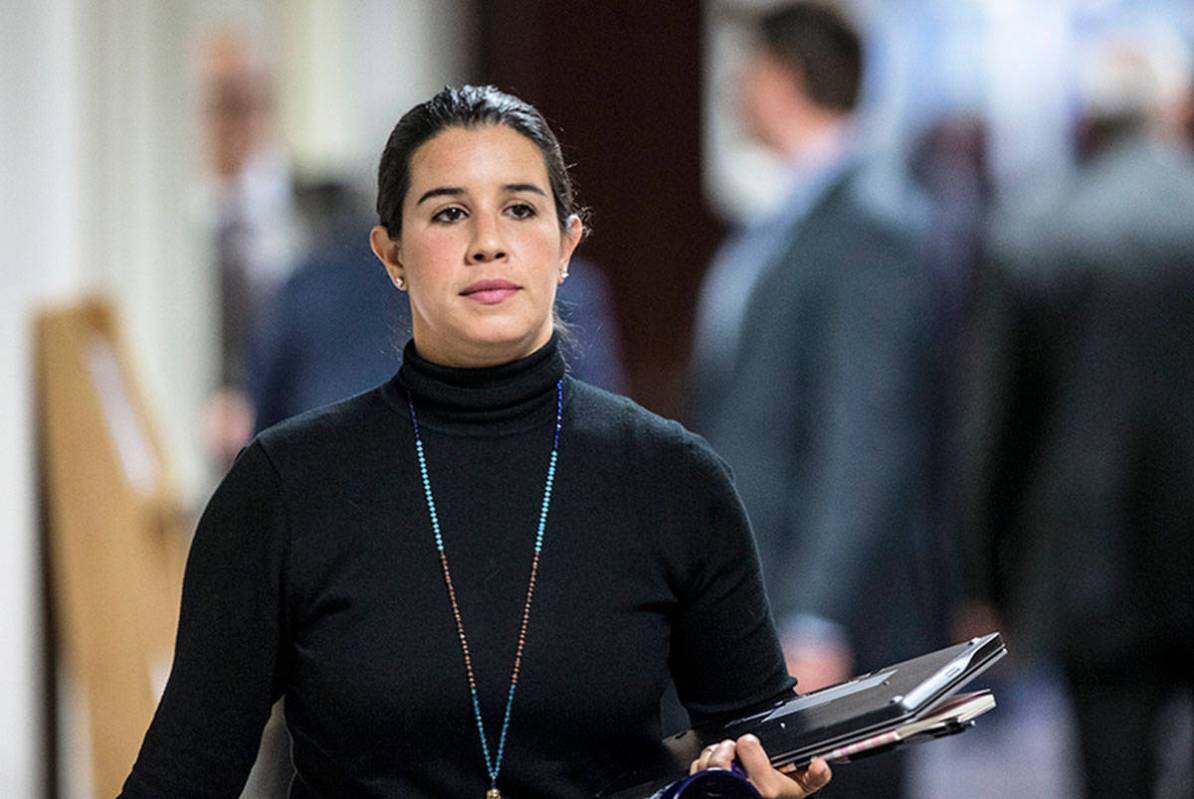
440 192
531 187
452 191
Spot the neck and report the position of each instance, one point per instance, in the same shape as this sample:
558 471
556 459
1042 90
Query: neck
810 132
507 397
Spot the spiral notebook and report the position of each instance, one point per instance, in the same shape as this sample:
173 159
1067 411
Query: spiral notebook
910 701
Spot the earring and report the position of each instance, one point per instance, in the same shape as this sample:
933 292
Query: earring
563 273
400 282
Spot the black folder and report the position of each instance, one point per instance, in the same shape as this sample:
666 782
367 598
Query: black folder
870 713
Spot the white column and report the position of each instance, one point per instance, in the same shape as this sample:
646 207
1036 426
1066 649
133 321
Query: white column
38 262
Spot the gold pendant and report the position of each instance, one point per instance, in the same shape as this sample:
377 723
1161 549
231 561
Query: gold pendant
493 793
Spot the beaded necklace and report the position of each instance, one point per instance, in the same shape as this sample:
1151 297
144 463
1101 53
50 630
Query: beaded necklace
493 765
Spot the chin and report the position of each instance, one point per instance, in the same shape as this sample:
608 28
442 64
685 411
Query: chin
514 338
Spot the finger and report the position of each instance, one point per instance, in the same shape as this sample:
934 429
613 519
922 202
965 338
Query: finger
758 766
706 753
815 776
722 755
769 781
702 759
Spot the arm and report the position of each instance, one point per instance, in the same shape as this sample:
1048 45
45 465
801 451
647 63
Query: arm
226 671
862 474
725 654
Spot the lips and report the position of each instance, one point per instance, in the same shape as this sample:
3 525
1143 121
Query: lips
489 292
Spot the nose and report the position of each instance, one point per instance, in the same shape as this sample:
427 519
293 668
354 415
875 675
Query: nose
487 245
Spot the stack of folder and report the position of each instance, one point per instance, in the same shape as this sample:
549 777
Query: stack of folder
912 701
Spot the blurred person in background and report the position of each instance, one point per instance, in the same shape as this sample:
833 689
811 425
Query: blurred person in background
247 204
813 378
586 306
949 164
1078 446
335 326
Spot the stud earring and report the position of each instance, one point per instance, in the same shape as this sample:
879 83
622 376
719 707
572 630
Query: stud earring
400 283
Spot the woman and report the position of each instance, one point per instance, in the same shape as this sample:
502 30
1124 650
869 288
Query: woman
477 577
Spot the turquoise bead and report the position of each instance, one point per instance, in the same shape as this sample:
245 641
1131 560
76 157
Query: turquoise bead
493 766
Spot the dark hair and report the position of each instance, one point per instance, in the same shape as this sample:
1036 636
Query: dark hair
465 107
821 46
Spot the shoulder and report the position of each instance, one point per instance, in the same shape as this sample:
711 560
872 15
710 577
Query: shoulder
848 255
873 236
614 423
848 236
1125 206
323 435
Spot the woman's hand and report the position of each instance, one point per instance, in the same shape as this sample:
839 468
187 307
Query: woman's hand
772 784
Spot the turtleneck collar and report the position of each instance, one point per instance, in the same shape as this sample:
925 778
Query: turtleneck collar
507 398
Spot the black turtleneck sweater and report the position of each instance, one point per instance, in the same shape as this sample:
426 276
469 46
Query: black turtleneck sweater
313 575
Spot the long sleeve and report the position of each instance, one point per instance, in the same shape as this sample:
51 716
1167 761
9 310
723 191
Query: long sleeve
724 653
867 450
225 675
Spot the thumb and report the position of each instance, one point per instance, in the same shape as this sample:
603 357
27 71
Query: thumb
752 756
815 776
771 782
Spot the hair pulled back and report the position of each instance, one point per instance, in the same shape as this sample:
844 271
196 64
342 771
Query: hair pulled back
465 107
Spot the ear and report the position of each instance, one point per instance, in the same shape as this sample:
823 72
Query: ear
573 233
387 251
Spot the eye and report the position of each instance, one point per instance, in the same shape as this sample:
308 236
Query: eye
521 211
448 215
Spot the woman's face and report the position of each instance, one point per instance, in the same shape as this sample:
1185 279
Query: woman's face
481 250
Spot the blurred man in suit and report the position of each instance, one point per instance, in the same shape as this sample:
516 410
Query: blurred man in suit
822 404
246 205
1078 464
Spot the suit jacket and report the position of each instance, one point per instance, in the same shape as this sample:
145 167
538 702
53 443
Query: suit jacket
828 427
335 328
1078 467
